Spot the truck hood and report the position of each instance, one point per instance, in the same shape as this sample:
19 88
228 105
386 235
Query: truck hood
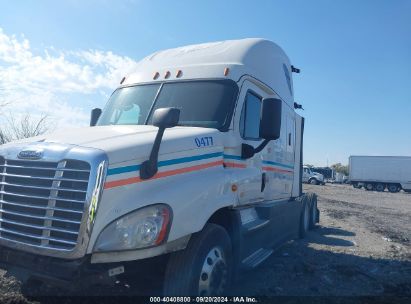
124 143
319 175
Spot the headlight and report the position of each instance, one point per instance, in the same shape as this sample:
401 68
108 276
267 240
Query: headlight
143 228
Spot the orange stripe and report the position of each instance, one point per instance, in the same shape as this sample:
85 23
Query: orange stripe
276 170
235 165
133 180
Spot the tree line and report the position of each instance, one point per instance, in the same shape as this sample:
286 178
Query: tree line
25 126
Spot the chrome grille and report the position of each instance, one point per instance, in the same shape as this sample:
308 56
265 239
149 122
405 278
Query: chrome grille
42 203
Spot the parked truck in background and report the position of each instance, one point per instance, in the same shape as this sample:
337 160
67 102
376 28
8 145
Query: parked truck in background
312 177
327 172
193 166
377 173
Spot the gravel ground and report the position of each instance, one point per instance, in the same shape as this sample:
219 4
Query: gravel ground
360 248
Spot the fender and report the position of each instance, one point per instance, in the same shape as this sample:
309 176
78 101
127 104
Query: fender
205 191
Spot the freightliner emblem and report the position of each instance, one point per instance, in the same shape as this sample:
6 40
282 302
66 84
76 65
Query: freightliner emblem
30 154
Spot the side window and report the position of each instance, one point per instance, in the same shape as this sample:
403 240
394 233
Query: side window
288 78
250 117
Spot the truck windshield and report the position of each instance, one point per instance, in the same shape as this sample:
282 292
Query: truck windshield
207 104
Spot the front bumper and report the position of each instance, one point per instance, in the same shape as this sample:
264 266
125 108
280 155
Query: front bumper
71 274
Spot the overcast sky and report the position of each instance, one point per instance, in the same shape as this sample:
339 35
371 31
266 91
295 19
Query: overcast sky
64 58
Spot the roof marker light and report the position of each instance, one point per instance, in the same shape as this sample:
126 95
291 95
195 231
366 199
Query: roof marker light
226 71
179 73
167 74
122 80
156 75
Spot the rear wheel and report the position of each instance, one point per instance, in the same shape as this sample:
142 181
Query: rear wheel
393 188
313 210
204 268
380 187
305 218
369 187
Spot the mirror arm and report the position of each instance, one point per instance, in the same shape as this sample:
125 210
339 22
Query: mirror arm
248 151
150 167
261 146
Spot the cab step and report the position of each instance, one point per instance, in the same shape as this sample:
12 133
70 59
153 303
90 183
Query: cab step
255 225
256 258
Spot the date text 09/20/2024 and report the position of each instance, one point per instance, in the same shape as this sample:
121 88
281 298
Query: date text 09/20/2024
203 300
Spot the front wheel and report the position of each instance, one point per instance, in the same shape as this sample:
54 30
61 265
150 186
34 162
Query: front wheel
204 268
313 181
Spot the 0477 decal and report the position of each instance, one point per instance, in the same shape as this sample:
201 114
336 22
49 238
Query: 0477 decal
204 141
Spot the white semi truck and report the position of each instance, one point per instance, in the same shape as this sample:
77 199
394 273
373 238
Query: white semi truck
377 173
193 166
312 177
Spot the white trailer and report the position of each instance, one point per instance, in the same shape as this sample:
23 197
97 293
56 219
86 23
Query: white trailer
381 172
194 166
339 178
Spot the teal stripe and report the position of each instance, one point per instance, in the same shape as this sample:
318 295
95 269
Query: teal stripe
236 157
277 164
188 159
121 170
163 163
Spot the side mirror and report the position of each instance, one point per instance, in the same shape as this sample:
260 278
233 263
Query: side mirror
270 126
162 118
95 115
166 117
270 123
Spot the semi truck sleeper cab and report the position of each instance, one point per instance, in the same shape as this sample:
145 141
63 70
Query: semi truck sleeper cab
196 160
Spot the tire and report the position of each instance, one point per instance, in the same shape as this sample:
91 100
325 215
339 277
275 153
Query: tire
393 188
204 268
312 198
380 187
369 187
313 181
304 218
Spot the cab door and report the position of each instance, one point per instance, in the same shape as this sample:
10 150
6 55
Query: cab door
246 130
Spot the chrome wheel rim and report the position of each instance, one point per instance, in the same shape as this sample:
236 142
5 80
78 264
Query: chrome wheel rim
213 274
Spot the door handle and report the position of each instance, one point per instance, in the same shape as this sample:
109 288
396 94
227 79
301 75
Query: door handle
262 182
